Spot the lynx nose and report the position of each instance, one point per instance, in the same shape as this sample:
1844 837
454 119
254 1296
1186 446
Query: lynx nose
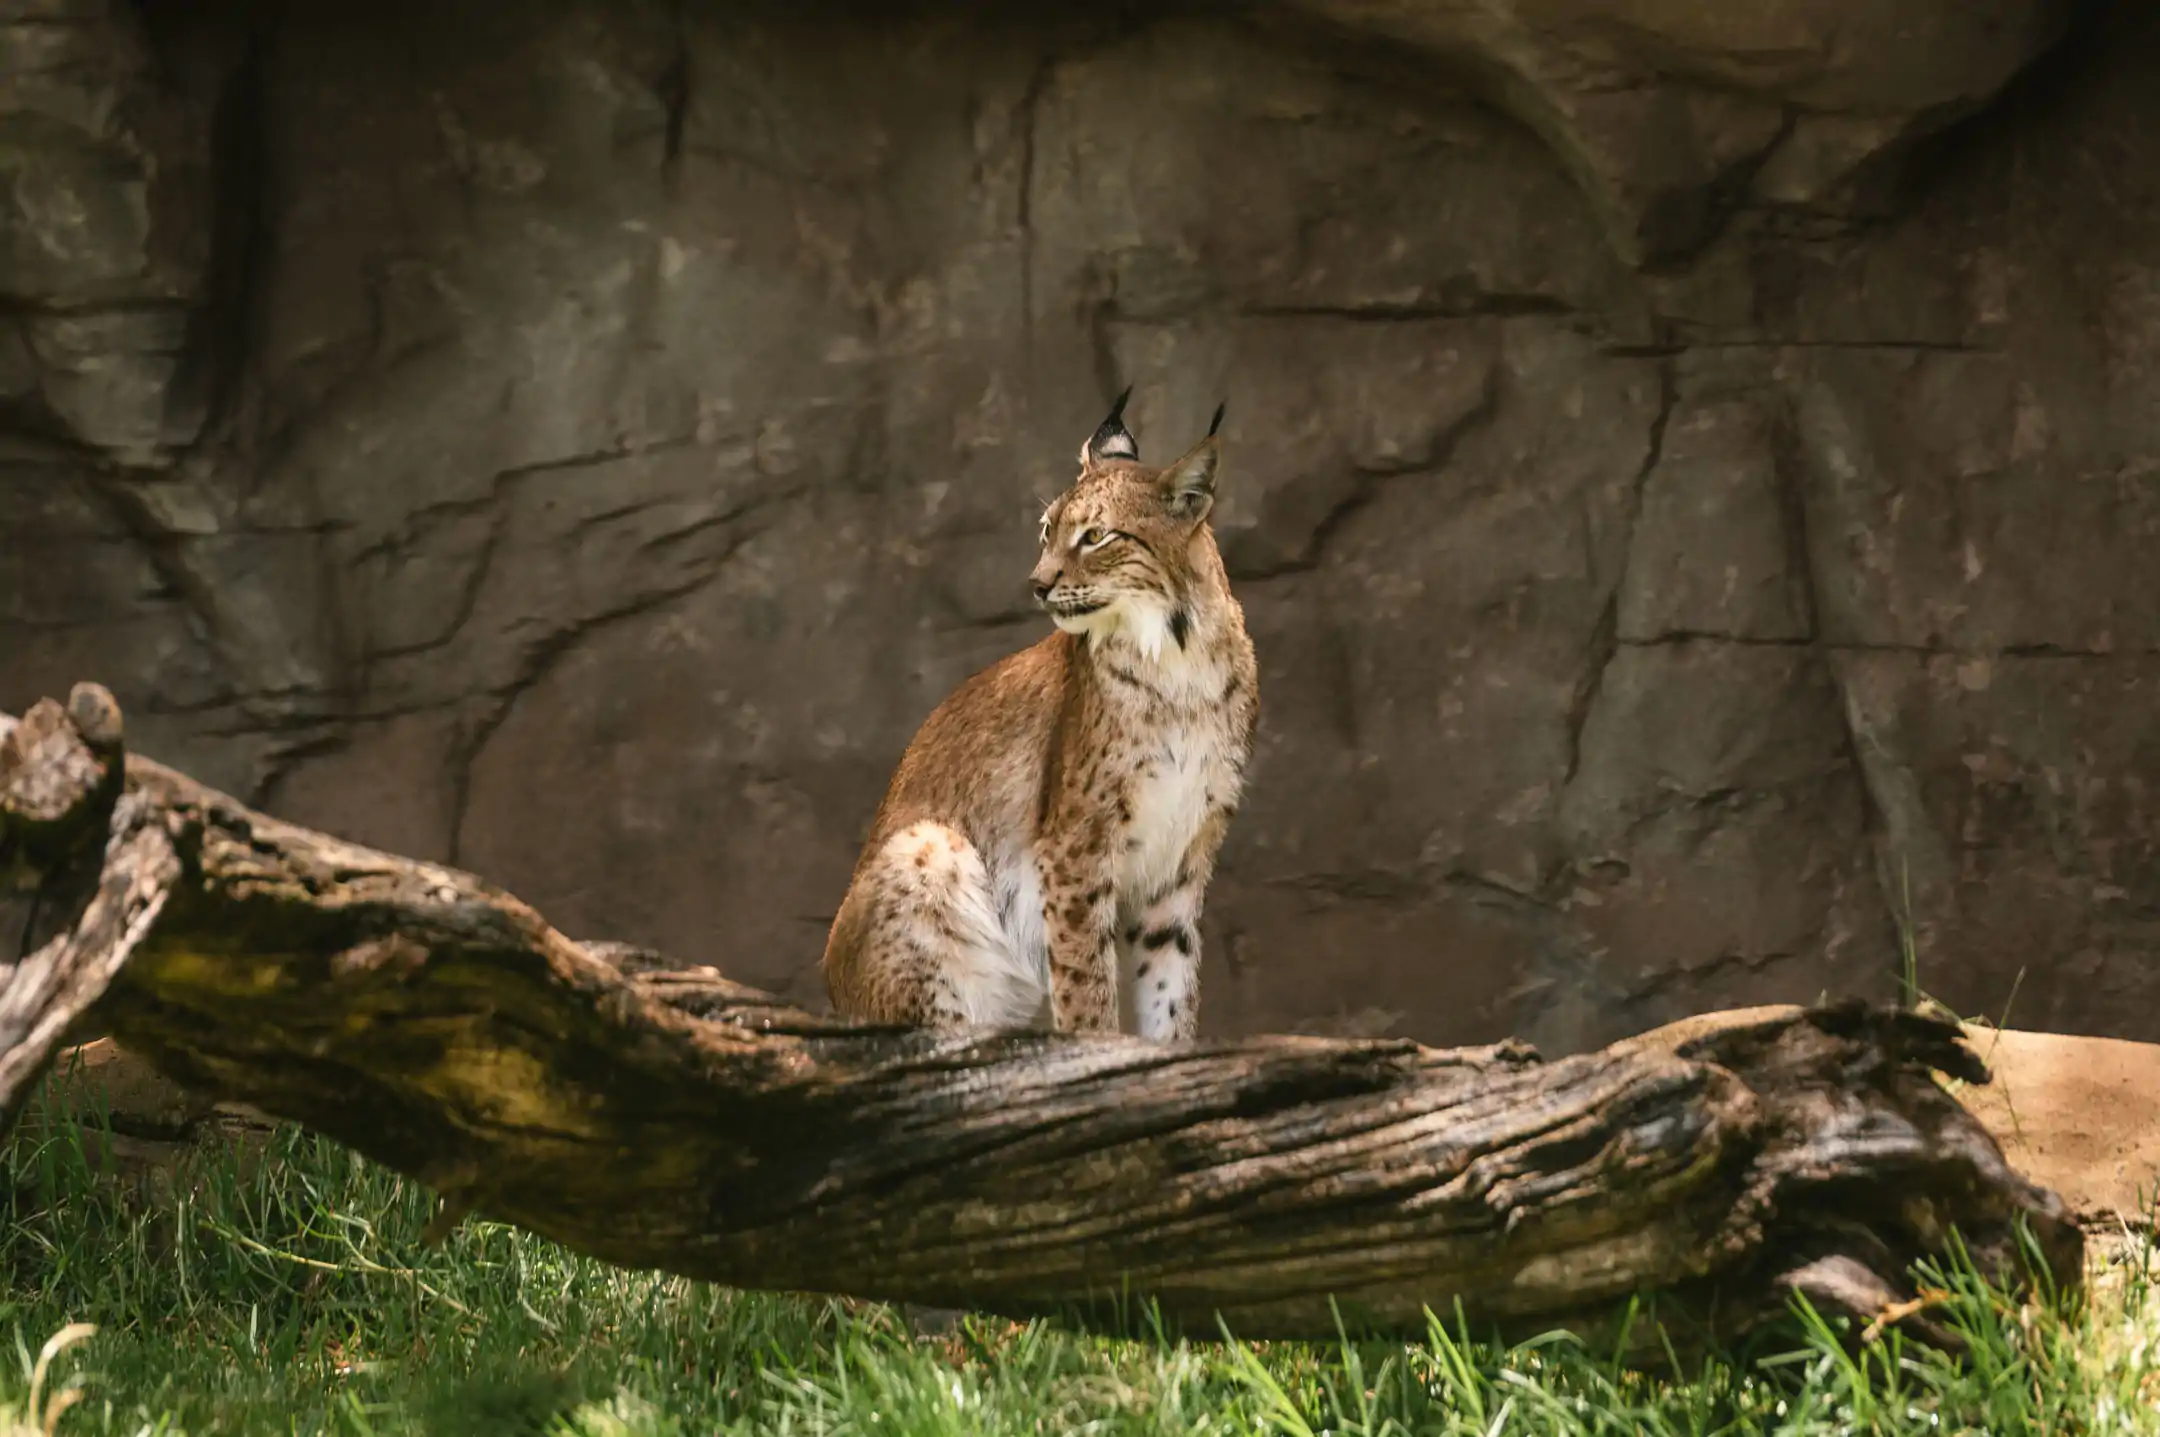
1042 590
1045 578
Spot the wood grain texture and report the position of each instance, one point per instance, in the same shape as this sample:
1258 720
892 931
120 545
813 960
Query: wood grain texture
660 1116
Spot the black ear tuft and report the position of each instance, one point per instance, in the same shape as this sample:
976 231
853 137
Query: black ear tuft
1112 440
1215 424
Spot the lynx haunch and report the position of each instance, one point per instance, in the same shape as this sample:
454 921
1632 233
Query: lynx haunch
1047 841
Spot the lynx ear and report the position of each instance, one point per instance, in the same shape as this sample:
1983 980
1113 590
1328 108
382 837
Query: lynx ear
1188 486
1111 439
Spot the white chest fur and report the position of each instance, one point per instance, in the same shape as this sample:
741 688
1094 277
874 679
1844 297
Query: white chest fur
1187 770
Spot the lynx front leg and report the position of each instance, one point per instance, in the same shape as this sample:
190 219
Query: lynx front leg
1165 939
1080 922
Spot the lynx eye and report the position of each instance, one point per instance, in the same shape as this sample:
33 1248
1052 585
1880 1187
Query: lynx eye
1094 537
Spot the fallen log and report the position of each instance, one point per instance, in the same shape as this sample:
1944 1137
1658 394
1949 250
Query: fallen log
663 1117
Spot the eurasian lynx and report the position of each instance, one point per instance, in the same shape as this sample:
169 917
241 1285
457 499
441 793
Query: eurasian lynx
1050 833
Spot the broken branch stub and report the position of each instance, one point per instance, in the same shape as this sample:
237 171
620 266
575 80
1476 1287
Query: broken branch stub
88 869
657 1116
59 776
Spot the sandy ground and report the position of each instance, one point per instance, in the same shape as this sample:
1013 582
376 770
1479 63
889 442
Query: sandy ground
2079 1115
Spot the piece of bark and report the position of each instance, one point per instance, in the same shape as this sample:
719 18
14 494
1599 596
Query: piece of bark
666 1117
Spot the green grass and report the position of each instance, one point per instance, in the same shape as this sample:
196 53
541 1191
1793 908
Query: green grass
295 1296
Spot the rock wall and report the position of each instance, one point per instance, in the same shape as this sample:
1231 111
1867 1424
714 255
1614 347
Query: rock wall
1692 477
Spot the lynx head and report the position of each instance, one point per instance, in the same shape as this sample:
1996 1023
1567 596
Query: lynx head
1127 549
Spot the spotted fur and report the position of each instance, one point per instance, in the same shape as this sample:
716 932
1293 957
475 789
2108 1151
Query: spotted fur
1043 851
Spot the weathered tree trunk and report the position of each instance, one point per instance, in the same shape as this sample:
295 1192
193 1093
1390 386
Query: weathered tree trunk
671 1119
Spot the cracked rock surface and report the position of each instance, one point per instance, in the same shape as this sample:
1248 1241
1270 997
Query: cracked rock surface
1693 477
